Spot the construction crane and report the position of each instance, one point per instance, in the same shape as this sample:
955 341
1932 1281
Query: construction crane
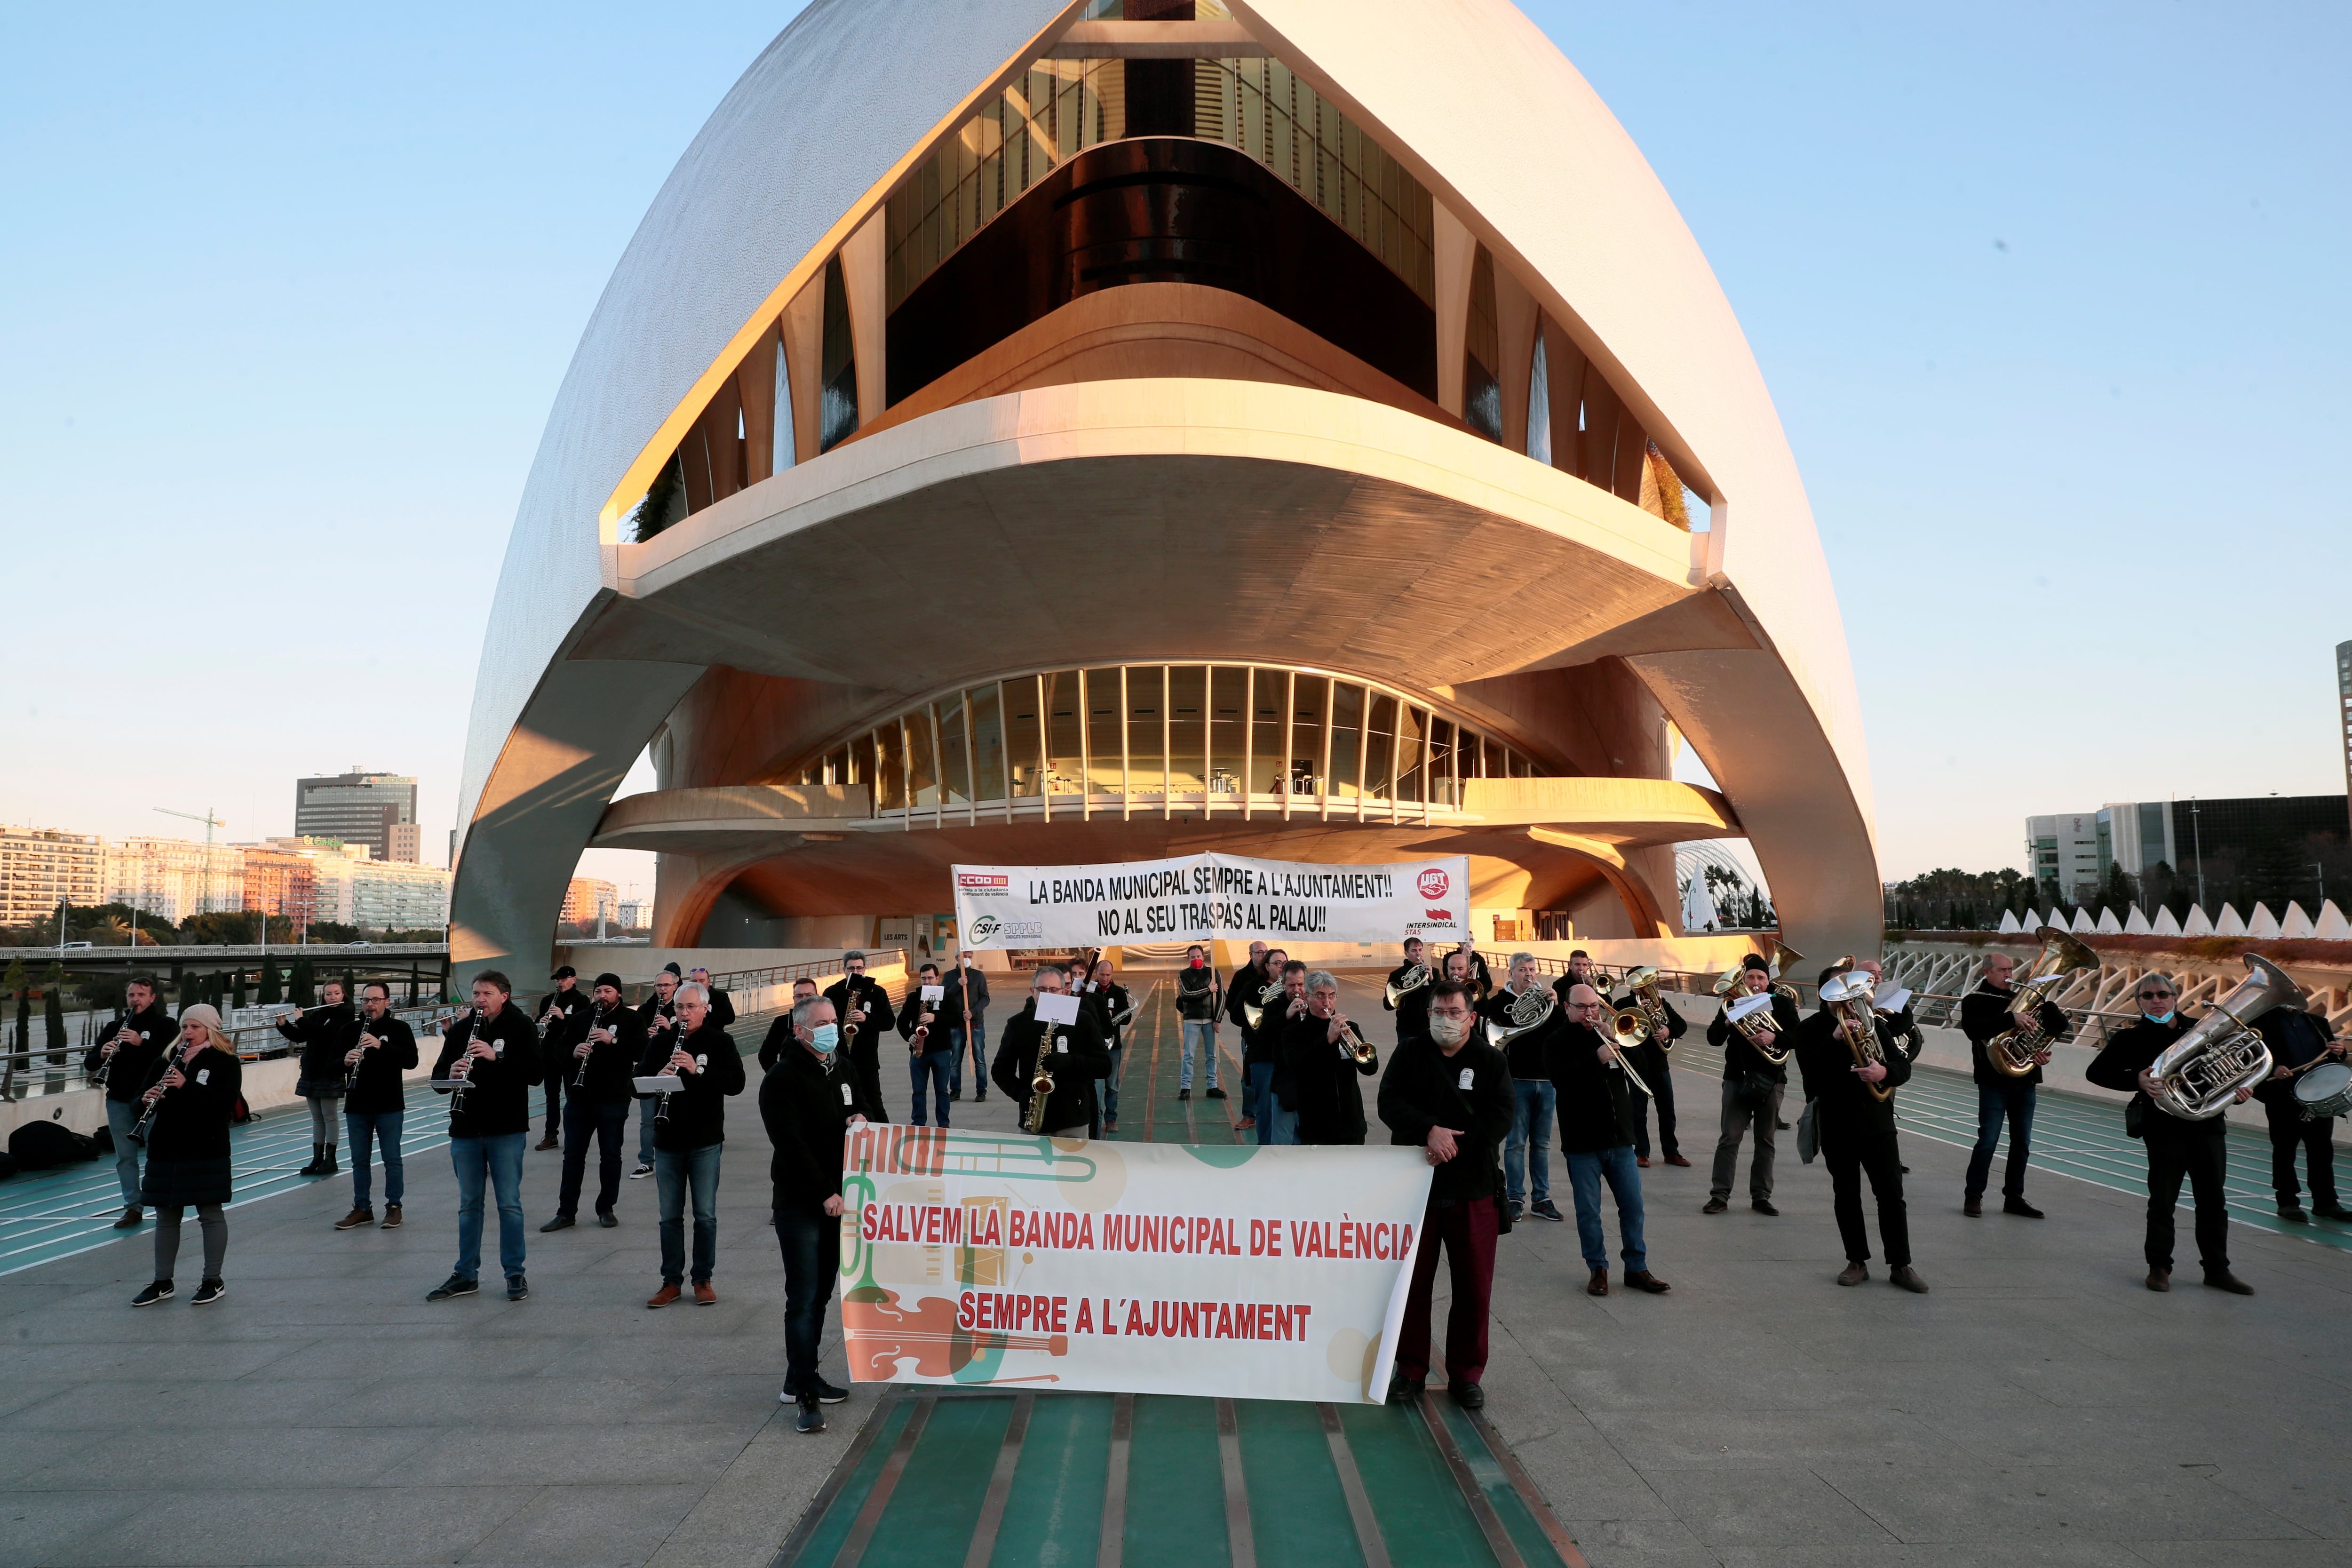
210 822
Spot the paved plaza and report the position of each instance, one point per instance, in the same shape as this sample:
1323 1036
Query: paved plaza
2038 1407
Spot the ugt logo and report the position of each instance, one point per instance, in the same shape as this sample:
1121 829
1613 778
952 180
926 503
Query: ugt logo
1433 883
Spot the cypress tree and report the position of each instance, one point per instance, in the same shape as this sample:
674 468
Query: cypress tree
268 996
300 994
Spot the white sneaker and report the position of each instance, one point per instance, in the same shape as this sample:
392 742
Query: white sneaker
641 1172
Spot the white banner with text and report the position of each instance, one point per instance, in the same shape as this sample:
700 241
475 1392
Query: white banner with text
993 1258
1198 898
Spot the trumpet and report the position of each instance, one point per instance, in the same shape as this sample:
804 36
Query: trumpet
1353 1047
2063 957
1041 1084
2199 1074
1253 1013
1847 996
1405 984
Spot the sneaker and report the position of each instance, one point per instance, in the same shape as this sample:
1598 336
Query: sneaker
810 1419
1518 1211
208 1292
356 1218
1216 1093
1715 1206
1404 1390
131 1218
560 1222
1183 1094
159 1291
518 1288
392 1216
826 1394
704 1295
1764 1206
456 1285
1468 1395
1547 1210
641 1172
604 1218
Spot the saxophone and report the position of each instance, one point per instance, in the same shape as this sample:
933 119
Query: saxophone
1041 1084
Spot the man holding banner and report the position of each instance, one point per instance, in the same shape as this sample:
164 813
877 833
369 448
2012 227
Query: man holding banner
1451 1096
1250 981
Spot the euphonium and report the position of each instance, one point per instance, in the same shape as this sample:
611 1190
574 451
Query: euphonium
1784 957
1253 1013
1041 1085
1528 1010
2199 1074
1752 1016
2063 957
1643 985
1410 981
1847 996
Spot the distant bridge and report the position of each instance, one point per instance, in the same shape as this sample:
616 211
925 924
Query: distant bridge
206 958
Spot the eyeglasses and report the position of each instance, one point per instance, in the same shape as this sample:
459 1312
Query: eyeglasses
2155 996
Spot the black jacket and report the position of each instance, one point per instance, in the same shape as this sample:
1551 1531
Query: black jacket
1740 1057
863 1050
1325 1078
1277 1020
805 1105
1984 1012
566 1029
660 1021
723 1008
497 1095
1469 1091
951 1005
192 1120
378 1084
1827 1062
780 1039
697 1112
1199 995
611 1063
1080 1057
1594 1109
130 1076
2294 1038
1113 1009
2132 1050
911 1012
1527 1053
322 1038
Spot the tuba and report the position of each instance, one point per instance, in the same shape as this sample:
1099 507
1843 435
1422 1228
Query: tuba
1643 985
1847 996
2200 1073
1041 1085
1410 981
2064 955
1528 1010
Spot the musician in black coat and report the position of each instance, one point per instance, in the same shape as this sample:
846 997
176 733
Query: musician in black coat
1650 1058
317 1033
1595 1093
779 1037
1078 1057
2177 1146
494 1048
689 1135
1753 1084
1984 1016
1527 1155
1856 1128
563 1017
863 1007
598 1071
1281 1094
378 1051
1114 1007
127 1053
192 1089
1450 1096
2299 1040
659 1014
1247 988
1411 1009
1326 1073
928 1043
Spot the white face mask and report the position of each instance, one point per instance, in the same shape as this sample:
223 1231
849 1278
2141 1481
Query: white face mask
1448 1030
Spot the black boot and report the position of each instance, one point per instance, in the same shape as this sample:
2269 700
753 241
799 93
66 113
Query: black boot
315 1168
326 1167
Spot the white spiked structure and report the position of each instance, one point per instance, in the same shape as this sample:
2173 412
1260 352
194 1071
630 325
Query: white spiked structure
2197 924
2262 925
2165 924
2009 926
2232 923
2136 924
2332 925
2083 925
2295 926
2108 924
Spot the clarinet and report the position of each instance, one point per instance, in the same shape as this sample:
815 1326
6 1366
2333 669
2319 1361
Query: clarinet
146 1123
105 1072
351 1074
580 1079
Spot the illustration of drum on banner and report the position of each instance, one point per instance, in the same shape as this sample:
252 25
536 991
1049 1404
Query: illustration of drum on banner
1202 897
993 1258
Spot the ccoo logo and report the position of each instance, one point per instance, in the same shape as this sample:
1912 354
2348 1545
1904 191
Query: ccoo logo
1434 883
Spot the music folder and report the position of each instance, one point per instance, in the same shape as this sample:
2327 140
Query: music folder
665 1083
1055 1009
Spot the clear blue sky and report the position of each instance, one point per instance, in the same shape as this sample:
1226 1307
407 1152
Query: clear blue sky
2051 300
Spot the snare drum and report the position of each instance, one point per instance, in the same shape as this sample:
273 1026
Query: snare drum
2324 1091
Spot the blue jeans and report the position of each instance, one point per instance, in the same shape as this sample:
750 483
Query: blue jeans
1258 1098
121 1116
606 1120
675 1171
1585 1173
1531 1141
936 1069
645 1109
979 1055
498 1161
1200 1032
812 1247
2014 1101
1110 1084
1282 1127
362 1130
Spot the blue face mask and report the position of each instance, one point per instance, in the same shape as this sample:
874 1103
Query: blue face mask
825 1039
2163 1017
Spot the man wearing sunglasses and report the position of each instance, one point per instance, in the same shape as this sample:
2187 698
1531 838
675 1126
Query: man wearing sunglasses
2176 1147
1985 1014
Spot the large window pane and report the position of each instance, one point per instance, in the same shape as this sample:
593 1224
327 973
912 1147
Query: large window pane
955 767
1347 727
988 741
1063 723
1023 760
1442 790
1228 699
1412 726
1188 703
1310 707
890 770
1377 783
922 760
1103 730
1494 767
1145 713
1266 691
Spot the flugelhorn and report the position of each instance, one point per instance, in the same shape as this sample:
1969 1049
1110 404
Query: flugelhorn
1041 1085
2199 1074
1847 996
2063 957
1405 984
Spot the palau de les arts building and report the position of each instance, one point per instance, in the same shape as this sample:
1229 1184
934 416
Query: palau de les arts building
1041 434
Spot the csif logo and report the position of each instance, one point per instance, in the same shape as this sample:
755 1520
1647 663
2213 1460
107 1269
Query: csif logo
1434 883
982 929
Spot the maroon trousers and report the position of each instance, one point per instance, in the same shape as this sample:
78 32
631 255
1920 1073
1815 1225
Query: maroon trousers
1465 1227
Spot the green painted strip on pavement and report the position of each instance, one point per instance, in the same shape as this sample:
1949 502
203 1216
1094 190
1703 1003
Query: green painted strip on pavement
1176 1485
1053 1518
1423 1514
824 1543
1297 1511
931 1516
1528 1535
